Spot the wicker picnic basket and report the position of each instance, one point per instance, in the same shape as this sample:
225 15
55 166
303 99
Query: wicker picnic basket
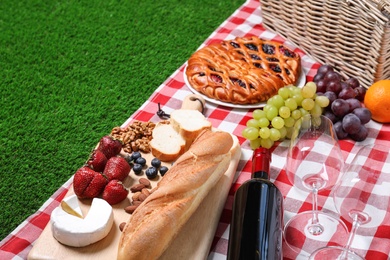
351 35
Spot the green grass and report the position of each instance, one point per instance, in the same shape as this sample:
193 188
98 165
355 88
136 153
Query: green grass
72 70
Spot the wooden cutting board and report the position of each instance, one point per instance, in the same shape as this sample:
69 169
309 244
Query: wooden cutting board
193 242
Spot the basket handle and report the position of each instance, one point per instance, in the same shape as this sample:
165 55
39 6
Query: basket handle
383 6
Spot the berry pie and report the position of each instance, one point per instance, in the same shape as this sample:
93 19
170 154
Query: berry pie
244 70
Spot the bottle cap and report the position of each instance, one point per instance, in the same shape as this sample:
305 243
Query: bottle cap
261 160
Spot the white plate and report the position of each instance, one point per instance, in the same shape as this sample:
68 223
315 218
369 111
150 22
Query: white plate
301 82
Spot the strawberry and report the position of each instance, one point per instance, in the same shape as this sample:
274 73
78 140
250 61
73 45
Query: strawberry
110 146
87 183
117 168
97 160
114 192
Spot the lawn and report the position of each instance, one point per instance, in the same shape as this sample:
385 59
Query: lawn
72 70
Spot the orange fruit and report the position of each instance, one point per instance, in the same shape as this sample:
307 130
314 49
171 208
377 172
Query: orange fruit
377 100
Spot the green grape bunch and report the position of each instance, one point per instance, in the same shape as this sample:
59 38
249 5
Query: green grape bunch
275 121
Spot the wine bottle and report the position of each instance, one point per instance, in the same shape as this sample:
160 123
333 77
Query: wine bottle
257 218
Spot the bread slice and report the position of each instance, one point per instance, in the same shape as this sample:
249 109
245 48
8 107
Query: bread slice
167 144
189 124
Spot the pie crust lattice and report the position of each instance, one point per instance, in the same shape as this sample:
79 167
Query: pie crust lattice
246 70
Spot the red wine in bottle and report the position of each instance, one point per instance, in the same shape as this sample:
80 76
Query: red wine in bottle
257 218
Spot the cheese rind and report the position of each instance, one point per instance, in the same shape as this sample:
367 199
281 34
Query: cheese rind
77 232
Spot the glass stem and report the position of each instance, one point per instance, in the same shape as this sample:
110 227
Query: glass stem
314 206
355 226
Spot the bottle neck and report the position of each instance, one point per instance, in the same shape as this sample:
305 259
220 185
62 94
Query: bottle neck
261 163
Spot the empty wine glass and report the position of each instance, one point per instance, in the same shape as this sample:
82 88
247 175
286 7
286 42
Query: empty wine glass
334 253
314 163
362 196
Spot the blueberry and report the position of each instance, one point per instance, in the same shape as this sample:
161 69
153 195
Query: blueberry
137 168
163 170
151 172
128 158
140 160
156 162
136 155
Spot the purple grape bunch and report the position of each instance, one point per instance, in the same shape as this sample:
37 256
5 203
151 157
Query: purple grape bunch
345 108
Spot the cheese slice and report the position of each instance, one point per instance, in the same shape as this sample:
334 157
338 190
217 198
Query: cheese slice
78 232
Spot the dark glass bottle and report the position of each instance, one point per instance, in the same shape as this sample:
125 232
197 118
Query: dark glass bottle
257 219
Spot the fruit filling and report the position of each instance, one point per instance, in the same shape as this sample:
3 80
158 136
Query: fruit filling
272 59
286 52
275 67
255 57
235 45
269 49
251 47
216 78
239 82
257 65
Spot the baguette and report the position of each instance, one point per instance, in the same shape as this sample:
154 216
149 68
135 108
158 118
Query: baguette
156 222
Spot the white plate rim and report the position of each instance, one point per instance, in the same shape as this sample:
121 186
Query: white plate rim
301 82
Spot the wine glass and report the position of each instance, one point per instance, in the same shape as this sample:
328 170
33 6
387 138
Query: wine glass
334 253
314 163
362 196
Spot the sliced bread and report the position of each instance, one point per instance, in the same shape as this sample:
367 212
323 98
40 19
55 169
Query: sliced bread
189 124
167 144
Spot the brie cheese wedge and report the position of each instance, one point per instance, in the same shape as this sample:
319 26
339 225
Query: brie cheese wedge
78 232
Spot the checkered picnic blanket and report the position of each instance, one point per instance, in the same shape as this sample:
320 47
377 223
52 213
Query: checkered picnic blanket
374 243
